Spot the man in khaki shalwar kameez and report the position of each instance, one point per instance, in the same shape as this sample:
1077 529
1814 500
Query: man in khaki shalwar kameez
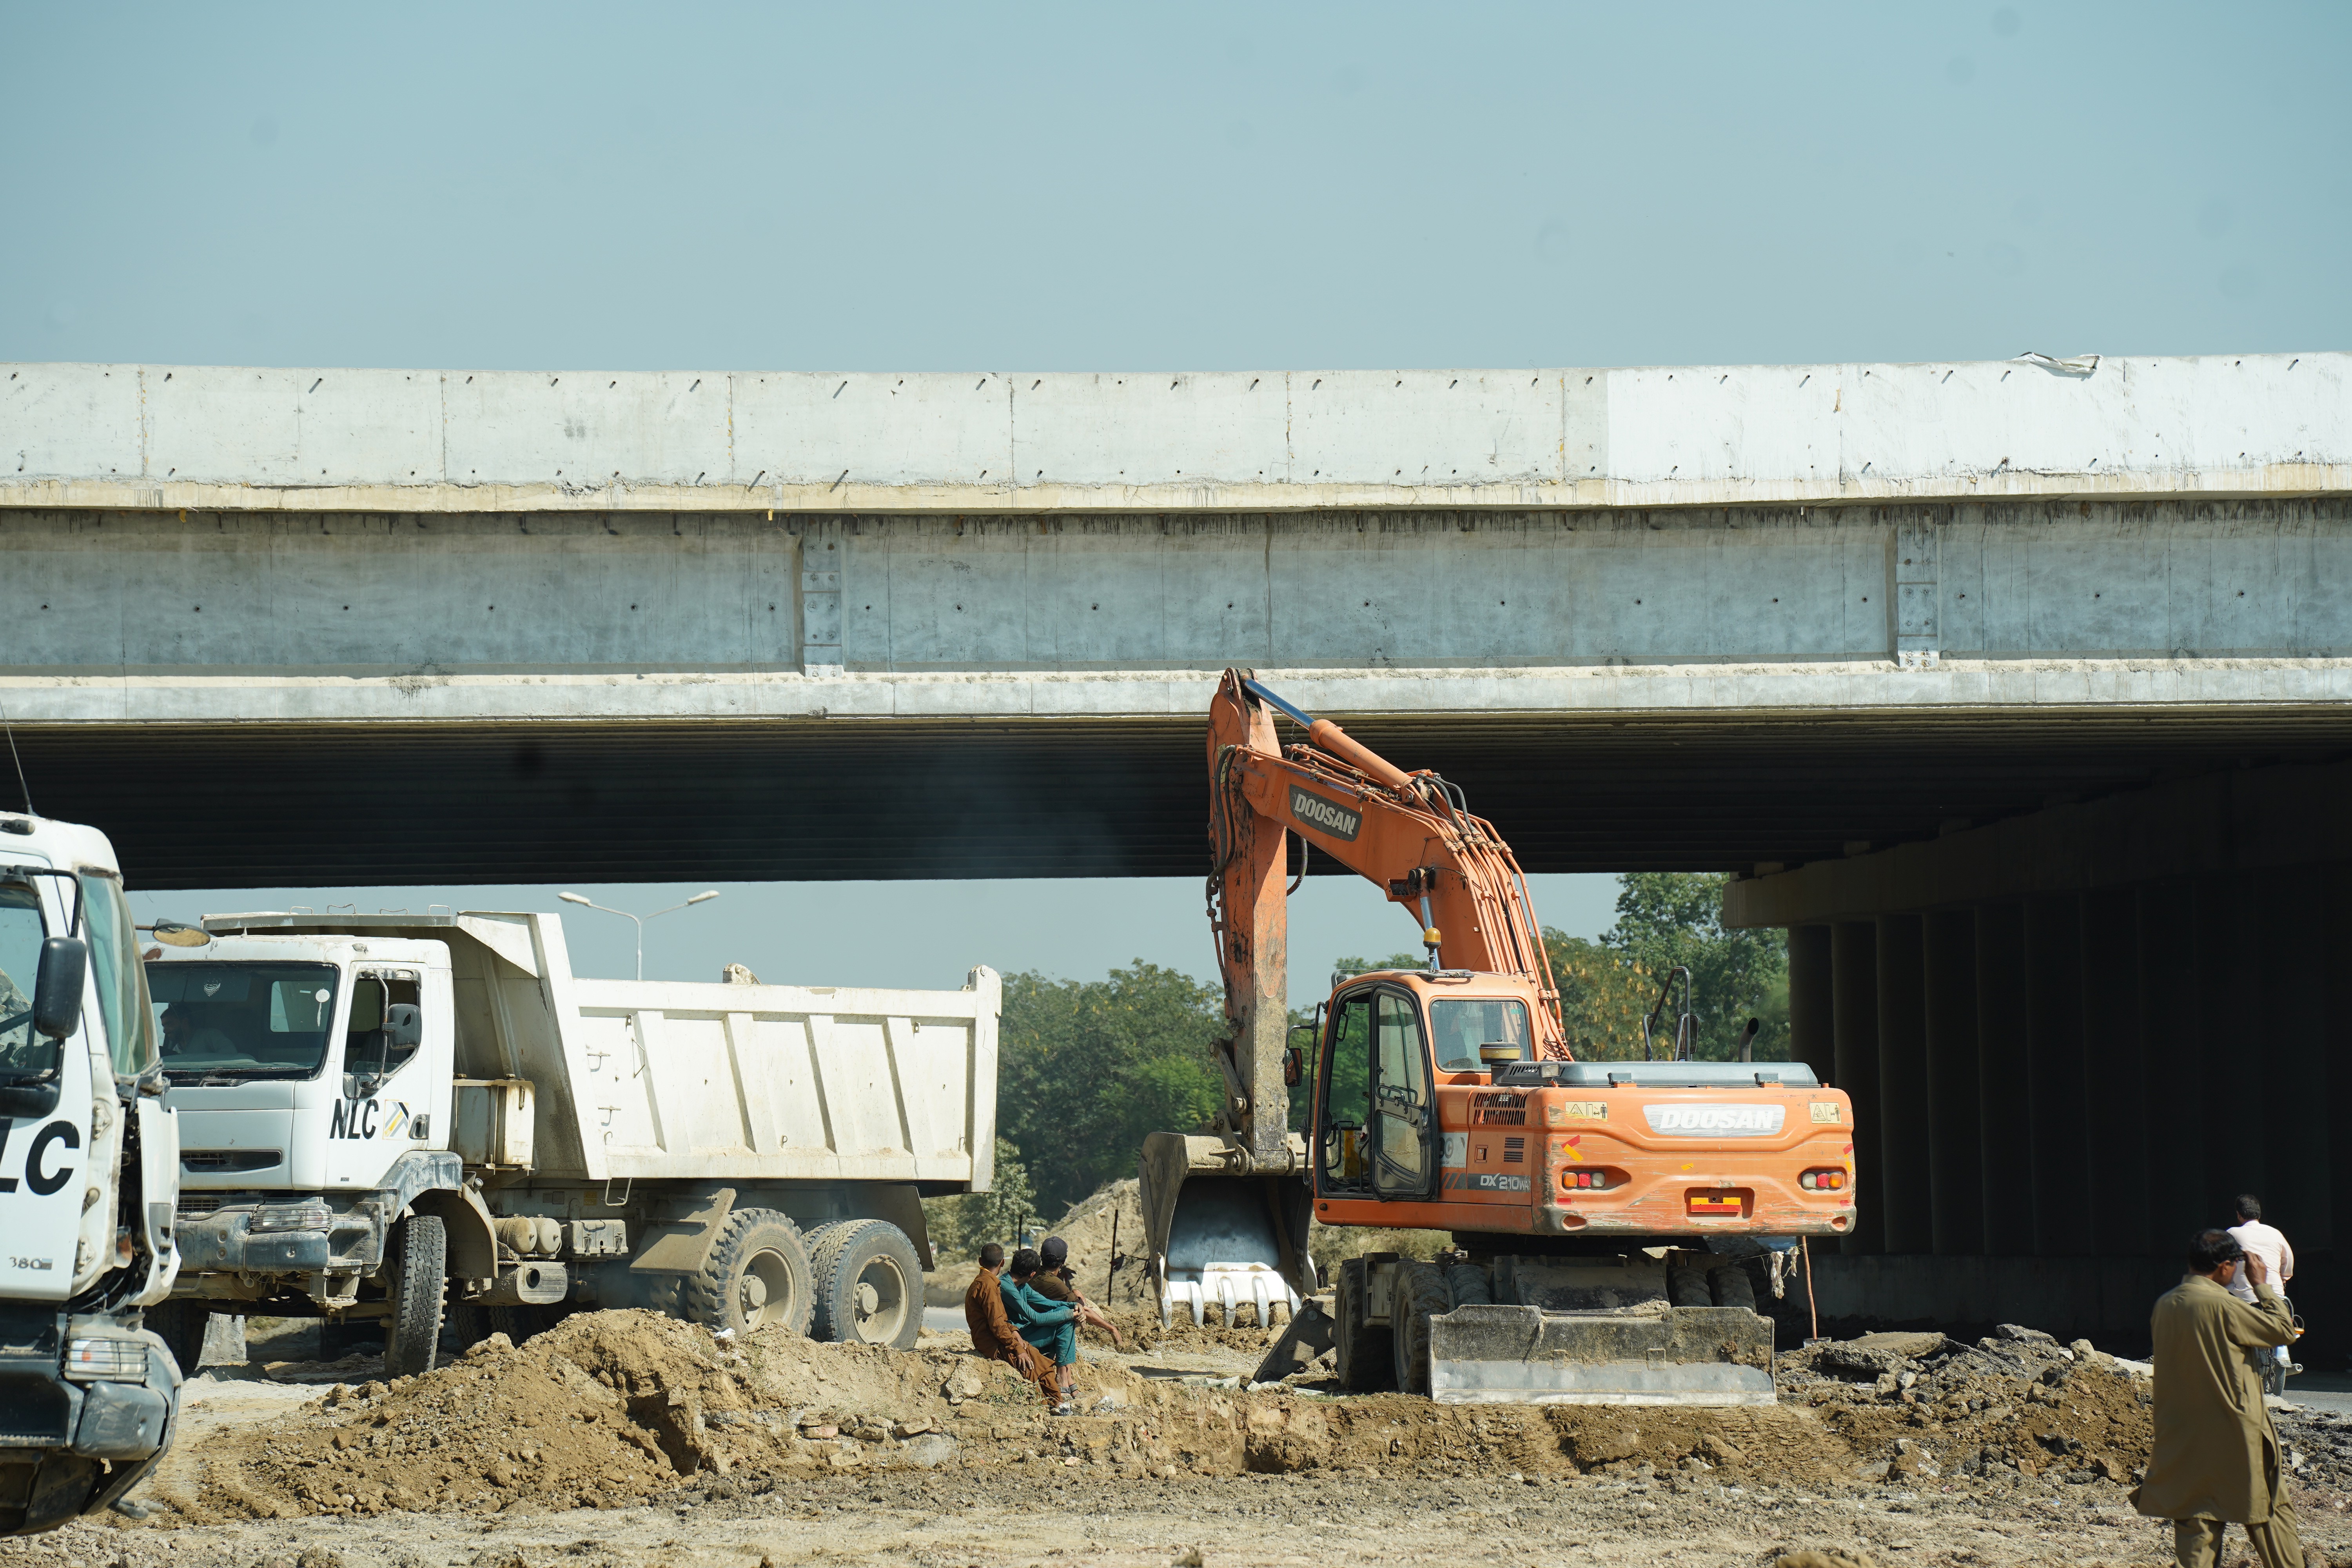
2217 1456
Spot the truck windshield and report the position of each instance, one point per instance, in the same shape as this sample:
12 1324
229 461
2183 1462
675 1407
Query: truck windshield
22 1051
1462 1026
229 1021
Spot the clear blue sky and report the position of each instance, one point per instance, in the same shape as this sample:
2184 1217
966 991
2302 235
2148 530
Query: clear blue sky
1198 187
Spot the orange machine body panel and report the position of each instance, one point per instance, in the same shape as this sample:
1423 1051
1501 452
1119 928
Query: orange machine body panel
1544 1159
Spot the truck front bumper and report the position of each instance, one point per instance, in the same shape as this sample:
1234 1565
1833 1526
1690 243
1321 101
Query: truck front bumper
72 1444
226 1242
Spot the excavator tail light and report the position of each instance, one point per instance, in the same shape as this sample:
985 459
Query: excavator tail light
1822 1181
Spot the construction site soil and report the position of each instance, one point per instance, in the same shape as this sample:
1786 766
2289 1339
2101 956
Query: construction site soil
629 1438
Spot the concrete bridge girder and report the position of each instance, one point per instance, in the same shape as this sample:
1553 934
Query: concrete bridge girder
397 440
2038 603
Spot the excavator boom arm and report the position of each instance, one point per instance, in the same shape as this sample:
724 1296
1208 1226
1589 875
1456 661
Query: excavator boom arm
1409 833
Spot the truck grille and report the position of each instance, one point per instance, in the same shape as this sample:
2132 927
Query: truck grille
194 1204
213 1161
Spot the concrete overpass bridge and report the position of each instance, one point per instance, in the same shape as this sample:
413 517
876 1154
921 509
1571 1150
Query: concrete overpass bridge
2018 690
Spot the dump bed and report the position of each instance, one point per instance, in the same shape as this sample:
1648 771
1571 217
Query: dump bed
653 1080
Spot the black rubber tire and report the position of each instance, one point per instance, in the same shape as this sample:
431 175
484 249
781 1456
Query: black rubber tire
1421 1295
758 1277
1366 1362
464 1325
180 1325
1469 1285
416 1280
1733 1286
1687 1286
858 1259
518 1322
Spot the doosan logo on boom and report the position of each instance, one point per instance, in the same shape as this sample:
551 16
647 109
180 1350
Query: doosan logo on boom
1324 815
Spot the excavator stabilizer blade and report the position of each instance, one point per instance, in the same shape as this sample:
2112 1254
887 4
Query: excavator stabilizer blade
1221 1240
1525 1355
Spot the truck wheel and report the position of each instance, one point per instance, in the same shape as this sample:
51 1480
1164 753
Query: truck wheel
180 1325
418 1275
518 1324
464 1325
1421 1295
1686 1287
869 1286
756 1277
1733 1286
1365 1360
1469 1285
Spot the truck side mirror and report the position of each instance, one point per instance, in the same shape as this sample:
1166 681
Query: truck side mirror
57 990
1293 1067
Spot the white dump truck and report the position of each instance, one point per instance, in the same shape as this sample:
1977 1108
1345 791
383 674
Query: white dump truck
387 1115
88 1163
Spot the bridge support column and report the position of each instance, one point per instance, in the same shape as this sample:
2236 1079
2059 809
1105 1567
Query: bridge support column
2171 990
2115 1076
2053 1042
1903 1119
2000 1078
2232 972
2296 1127
1854 972
1955 1119
1812 1038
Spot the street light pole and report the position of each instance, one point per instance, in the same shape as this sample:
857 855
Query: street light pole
639 920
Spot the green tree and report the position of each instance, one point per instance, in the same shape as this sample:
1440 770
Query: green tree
1602 996
960 1225
1085 1069
1669 918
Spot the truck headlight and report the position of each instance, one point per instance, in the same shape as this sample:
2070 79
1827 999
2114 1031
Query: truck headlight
311 1216
106 1360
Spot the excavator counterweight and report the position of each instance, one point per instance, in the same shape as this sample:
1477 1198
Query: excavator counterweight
1605 1215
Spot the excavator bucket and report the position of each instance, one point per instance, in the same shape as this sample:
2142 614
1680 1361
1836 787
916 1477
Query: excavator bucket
1596 1332
1219 1239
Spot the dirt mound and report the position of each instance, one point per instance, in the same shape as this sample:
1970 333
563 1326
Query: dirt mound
2011 1408
603 1409
1141 1325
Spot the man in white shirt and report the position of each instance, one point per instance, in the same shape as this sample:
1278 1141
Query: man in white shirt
2267 1243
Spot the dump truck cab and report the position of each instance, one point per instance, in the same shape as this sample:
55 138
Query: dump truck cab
312 1074
88 1155
1427 1098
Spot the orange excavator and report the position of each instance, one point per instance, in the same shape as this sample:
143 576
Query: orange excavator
1602 1213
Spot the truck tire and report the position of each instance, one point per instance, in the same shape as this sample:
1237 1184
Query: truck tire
416 1279
756 1277
869 1286
1469 1286
464 1325
1421 1295
1733 1286
180 1325
1687 1286
518 1324
1365 1360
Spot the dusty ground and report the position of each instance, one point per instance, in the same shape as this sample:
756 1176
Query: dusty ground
624 1438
